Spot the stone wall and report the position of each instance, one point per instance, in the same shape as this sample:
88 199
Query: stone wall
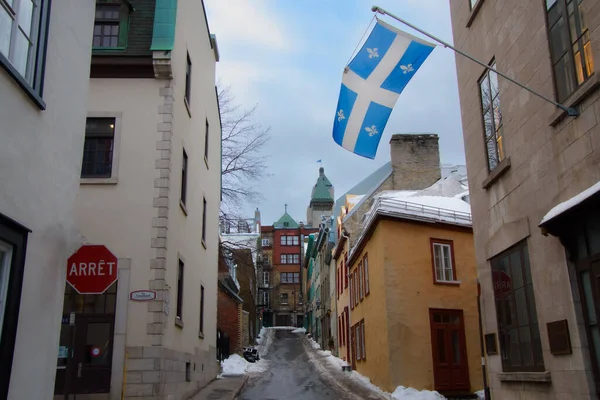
415 161
159 373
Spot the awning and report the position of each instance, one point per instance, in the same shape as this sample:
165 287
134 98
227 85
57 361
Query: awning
568 205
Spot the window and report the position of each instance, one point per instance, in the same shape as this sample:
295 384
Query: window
265 298
366 272
290 240
243 227
284 298
472 3
206 131
361 280
357 333
266 278
518 330
290 258
201 309
5 263
351 292
296 277
188 80
98 148
443 261
362 337
355 280
106 26
23 29
492 117
184 176
346 270
265 243
570 45
290 277
179 311
188 371
204 221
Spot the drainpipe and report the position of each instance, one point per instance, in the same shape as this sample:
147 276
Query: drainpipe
348 340
486 389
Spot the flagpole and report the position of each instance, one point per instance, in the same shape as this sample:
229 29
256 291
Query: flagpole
571 111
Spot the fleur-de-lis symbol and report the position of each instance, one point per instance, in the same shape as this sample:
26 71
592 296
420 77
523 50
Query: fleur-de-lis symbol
340 115
372 130
373 52
407 68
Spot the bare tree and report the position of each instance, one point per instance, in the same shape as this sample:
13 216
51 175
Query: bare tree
243 139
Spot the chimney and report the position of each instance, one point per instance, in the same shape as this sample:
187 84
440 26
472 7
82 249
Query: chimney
415 161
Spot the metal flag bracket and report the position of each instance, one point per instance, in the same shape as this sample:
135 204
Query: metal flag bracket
571 111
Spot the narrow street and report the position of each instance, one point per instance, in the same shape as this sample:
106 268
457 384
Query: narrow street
290 374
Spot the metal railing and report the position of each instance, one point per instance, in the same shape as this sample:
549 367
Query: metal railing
419 210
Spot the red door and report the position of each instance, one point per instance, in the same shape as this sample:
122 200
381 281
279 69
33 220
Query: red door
347 333
450 368
353 344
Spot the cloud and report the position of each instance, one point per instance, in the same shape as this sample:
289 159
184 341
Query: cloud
250 23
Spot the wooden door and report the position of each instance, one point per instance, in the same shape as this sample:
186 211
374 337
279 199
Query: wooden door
450 367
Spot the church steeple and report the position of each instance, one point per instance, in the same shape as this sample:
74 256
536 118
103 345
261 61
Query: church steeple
321 199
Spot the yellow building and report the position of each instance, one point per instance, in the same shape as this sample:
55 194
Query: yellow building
412 293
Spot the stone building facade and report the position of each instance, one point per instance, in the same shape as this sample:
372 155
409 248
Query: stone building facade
525 157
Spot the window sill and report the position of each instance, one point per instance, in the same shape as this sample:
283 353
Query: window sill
496 173
187 106
178 322
525 376
474 12
108 49
183 207
577 97
98 181
204 244
31 92
448 283
201 335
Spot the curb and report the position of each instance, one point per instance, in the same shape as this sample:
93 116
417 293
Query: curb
235 395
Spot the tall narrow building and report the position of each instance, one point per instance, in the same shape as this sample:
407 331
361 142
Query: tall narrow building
149 192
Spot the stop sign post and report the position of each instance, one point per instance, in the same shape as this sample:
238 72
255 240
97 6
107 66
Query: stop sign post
92 269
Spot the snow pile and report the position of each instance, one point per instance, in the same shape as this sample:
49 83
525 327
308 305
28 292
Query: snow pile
402 393
265 341
234 365
480 395
572 202
299 330
283 328
237 365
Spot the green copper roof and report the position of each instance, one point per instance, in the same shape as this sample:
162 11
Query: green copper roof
163 33
321 190
286 221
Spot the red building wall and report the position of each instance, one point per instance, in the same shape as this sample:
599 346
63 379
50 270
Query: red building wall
228 319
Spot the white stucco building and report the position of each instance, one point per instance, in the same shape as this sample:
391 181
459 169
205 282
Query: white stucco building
150 192
45 60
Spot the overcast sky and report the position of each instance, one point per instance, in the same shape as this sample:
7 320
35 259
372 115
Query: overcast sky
288 56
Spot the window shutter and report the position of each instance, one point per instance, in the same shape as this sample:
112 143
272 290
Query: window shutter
351 293
346 269
364 349
366 272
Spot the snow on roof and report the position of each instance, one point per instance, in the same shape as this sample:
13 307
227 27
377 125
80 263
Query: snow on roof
572 202
354 199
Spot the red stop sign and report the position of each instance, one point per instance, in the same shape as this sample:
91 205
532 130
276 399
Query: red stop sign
92 269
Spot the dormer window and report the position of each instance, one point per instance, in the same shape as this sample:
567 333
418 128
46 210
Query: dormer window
111 25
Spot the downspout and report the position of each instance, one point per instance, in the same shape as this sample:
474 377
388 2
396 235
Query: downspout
347 339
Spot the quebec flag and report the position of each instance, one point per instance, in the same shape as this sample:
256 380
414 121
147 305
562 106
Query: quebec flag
371 85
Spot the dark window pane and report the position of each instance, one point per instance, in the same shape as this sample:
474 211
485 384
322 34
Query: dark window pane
98 343
492 154
114 42
513 347
97 30
559 39
526 346
115 30
537 344
515 266
441 346
456 347
485 93
522 315
106 30
97 41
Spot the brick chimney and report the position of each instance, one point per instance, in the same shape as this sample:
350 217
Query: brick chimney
415 161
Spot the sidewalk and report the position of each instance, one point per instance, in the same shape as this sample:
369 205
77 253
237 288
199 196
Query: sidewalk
360 390
226 388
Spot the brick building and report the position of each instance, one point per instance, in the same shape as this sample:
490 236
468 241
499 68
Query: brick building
531 167
229 306
246 277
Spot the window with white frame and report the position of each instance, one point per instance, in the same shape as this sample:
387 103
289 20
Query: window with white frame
265 242
22 39
265 298
443 261
290 240
266 278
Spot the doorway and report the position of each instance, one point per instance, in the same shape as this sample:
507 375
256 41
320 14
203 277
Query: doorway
88 345
450 367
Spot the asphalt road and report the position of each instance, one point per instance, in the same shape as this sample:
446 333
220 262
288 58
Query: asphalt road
290 375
